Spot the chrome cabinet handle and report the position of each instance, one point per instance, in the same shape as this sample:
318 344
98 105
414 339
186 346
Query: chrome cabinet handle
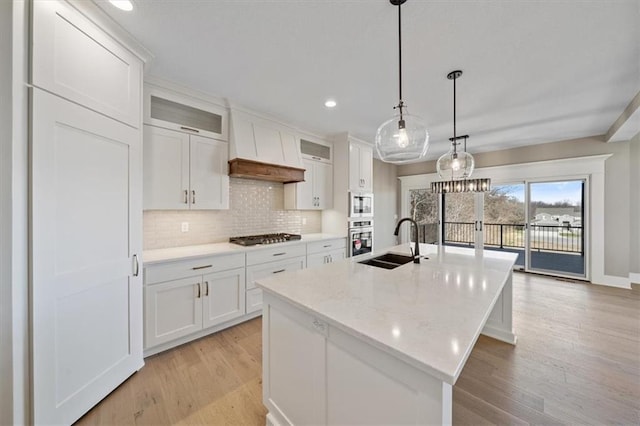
190 129
206 288
198 294
186 196
278 271
279 254
136 266
193 196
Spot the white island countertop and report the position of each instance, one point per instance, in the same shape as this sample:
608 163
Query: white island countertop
428 315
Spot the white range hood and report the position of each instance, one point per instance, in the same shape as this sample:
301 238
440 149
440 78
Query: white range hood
263 149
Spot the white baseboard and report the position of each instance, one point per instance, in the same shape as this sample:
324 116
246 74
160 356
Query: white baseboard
613 281
499 334
634 277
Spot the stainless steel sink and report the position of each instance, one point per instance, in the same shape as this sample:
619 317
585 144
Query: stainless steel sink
388 260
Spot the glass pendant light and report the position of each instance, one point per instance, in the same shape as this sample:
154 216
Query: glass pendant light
403 138
455 164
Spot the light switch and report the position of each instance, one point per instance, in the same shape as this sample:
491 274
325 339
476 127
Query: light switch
185 226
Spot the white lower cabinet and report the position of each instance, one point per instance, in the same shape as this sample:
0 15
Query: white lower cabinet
289 258
187 299
326 251
196 301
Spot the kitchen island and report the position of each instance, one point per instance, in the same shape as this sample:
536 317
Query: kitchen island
348 343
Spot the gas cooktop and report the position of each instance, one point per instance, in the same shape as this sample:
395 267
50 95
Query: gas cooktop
252 240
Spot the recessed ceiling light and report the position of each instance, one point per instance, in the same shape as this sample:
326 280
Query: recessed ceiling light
330 103
122 4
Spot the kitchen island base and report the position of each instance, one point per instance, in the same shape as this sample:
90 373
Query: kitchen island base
348 343
315 373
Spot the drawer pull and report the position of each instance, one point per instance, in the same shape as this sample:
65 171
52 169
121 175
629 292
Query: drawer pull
201 267
279 254
278 271
189 129
327 245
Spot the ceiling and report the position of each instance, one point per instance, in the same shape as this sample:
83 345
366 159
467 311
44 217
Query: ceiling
534 71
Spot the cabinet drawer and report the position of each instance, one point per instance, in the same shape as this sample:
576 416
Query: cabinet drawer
188 268
256 272
326 245
275 253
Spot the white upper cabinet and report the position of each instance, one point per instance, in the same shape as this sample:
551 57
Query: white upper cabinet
360 167
208 176
75 59
316 192
167 108
183 171
258 139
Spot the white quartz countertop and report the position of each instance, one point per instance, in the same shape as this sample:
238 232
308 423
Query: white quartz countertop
190 252
428 314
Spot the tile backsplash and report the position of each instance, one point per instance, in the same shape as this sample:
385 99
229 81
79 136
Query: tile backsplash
255 207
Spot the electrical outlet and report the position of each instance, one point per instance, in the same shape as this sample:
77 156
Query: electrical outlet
304 220
185 226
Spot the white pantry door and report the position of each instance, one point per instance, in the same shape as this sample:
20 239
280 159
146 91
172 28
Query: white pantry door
86 238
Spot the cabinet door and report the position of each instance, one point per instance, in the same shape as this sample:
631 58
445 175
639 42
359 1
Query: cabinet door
75 59
323 185
172 309
165 169
337 255
209 175
317 259
86 294
355 181
366 168
223 297
305 198
360 167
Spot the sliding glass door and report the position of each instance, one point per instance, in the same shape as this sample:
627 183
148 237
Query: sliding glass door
556 232
462 219
541 221
505 219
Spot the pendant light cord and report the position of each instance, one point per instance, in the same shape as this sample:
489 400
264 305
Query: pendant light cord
454 115
400 54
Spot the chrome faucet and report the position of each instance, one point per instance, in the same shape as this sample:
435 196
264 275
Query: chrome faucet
416 250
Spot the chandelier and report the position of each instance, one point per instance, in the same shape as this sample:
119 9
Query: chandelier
456 166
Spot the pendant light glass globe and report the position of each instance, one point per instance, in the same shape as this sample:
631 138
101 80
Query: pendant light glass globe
455 164
402 139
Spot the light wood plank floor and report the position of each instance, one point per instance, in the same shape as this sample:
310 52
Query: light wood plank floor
577 361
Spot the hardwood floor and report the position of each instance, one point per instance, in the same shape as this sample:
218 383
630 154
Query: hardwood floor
577 361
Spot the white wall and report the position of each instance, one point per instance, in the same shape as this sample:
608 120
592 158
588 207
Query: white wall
385 187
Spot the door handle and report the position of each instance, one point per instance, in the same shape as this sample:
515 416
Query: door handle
186 196
193 196
189 129
136 266
198 293
480 226
206 288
